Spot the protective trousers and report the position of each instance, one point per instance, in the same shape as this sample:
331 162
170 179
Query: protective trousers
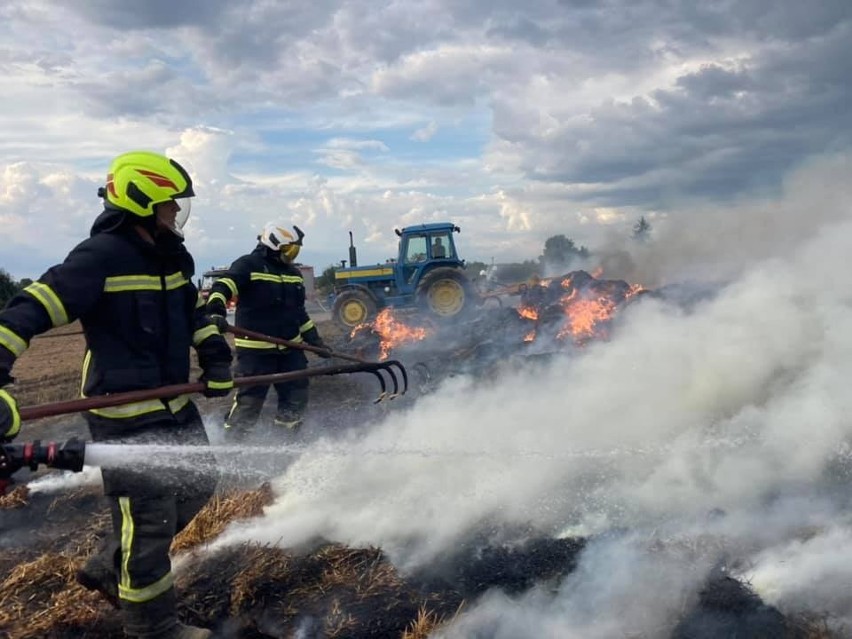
248 402
149 507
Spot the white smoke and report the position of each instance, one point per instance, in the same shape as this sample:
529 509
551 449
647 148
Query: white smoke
65 481
739 407
720 241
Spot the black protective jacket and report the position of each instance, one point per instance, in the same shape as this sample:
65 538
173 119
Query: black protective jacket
270 300
140 313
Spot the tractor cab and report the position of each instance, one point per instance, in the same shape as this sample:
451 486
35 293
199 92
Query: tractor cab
421 248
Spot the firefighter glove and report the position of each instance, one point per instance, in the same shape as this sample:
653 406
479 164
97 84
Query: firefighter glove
10 419
221 323
218 381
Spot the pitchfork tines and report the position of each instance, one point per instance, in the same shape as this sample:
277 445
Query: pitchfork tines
388 367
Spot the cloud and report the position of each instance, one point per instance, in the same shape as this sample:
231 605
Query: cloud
536 119
150 14
425 133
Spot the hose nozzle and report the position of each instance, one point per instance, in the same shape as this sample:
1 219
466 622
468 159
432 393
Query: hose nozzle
67 456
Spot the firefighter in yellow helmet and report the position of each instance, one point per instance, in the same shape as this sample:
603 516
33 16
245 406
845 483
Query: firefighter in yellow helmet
130 285
270 295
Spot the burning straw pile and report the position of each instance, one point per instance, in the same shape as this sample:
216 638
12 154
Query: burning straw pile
553 317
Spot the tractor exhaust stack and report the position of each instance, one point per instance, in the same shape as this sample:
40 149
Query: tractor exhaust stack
353 258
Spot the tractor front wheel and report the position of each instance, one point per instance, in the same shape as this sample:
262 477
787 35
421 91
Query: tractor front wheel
352 308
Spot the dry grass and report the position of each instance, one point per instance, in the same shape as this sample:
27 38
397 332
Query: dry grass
18 497
39 595
261 563
427 622
218 513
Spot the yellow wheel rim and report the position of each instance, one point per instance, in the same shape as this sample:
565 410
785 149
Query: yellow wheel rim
446 297
353 312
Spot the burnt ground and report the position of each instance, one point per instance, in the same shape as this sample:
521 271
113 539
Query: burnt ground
320 590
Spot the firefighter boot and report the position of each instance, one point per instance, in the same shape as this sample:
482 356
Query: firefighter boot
290 421
99 573
157 619
291 408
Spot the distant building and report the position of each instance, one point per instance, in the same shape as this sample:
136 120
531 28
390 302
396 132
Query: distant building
308 276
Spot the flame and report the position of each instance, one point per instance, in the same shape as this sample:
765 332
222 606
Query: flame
528 312
597 272
584 316
392 332
587 314
588 305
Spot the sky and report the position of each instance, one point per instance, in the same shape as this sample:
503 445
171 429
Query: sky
516 121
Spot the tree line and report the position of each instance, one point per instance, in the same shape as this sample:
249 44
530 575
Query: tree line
9 287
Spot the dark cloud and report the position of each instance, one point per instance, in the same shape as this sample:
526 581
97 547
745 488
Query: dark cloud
716 132
151 14
154 90
640 100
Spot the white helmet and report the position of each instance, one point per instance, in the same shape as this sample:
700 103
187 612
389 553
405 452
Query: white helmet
277 238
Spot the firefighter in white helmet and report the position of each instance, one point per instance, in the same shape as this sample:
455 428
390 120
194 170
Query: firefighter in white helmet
270 294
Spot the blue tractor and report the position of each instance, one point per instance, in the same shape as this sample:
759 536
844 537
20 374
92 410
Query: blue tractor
427 274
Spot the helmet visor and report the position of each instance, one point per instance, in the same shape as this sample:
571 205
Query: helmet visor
182 215
289 252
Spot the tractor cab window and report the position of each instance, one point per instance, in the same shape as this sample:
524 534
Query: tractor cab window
416 249
441 246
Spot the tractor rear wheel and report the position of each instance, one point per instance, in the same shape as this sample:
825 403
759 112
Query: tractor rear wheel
353 307
445 292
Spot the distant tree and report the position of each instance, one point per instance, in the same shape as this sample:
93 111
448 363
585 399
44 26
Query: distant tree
8 287
560 251
325 282
517 271
25 282
642 230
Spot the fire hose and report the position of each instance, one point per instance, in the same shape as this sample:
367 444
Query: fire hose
67 456
13 457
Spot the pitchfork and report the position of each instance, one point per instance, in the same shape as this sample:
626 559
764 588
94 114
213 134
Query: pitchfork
387 366
173 390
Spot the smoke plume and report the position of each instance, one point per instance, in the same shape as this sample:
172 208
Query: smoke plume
709 435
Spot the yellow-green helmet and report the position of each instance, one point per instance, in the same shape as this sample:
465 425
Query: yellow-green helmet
139 180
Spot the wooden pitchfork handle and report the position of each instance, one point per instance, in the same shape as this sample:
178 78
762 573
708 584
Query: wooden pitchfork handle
244 332
118 399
